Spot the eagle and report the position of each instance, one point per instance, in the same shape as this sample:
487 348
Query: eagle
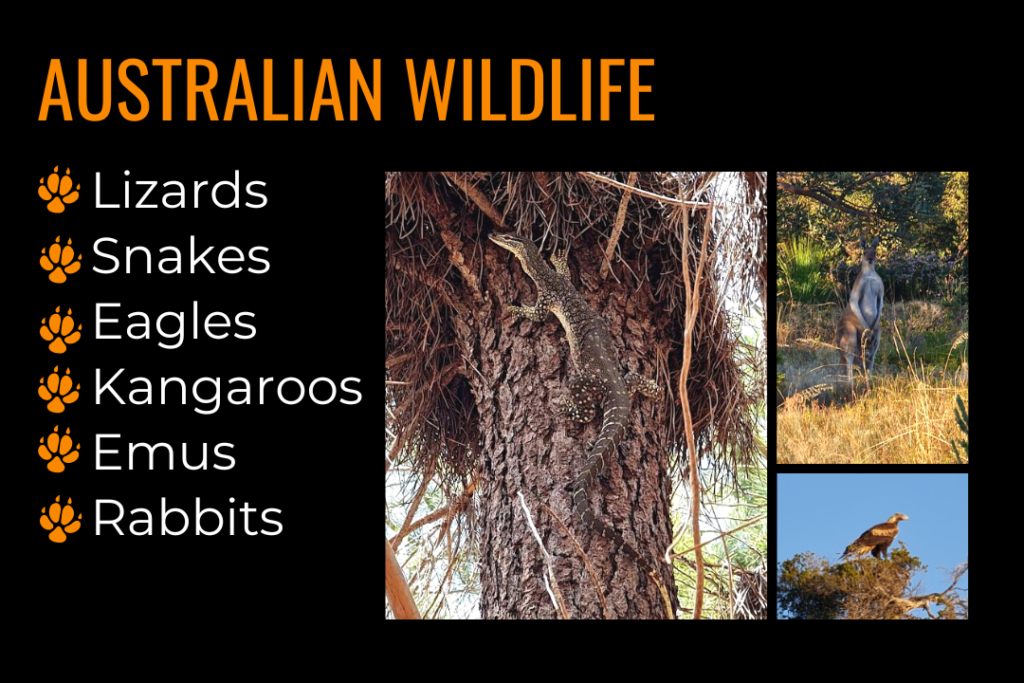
877 539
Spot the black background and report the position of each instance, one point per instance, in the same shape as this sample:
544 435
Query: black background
311 313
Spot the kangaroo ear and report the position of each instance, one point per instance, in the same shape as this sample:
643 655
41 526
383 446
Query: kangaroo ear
874 243
863 244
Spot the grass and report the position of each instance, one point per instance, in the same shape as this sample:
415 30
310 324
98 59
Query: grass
800 262
904 415
900 421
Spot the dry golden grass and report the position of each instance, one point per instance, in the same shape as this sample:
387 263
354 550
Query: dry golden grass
904 415
899 421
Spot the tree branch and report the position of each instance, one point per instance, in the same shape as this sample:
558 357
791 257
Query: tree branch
642 193
692 305
456 507
617 228
825 198
477 197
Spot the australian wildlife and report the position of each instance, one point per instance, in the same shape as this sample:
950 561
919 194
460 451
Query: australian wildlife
875 540
860 327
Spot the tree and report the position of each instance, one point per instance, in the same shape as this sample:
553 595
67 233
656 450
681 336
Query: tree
926 209
810 587
471 394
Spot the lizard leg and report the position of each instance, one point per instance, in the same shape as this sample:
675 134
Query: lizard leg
579 404
647 387
535 313
560 260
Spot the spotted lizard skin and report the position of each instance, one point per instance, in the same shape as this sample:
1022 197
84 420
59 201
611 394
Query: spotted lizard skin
596 379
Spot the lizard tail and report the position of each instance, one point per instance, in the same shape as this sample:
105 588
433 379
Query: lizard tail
582 509
611 433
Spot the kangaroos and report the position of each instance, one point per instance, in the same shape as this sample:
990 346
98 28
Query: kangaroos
860 325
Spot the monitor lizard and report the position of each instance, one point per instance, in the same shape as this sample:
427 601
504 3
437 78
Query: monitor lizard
596 379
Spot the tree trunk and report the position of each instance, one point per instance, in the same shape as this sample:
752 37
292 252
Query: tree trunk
518 372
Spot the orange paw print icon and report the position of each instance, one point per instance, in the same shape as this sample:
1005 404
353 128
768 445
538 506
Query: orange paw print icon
57 191
57 449
57 390
59 261
56 521
58 331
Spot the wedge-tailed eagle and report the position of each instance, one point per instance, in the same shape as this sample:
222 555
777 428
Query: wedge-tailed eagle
875 540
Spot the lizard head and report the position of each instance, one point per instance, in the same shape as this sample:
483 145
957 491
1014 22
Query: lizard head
520 246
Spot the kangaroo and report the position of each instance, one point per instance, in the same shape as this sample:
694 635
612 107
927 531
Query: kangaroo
859 329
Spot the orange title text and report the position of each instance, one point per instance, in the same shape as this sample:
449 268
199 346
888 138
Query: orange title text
347 90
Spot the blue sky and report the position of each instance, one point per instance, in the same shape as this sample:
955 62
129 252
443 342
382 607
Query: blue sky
823 513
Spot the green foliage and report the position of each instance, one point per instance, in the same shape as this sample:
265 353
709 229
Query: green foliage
954 205
747 547
810 587
931 347
919 212
801 264
806 589
961 419
907 276
780 378
956 291
921 276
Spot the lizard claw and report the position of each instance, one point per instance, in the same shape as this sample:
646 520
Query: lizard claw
560 260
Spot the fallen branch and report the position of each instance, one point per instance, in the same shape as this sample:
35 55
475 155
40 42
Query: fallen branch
620 218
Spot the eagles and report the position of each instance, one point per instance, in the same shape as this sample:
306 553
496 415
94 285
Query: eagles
875 540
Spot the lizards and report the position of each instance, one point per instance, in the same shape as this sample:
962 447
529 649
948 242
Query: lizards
596 379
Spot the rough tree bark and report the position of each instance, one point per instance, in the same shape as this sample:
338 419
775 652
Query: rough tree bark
517 372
